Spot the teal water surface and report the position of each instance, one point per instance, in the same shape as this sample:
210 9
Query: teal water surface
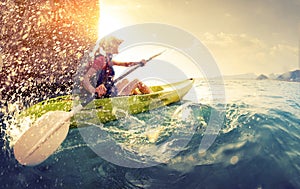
257 146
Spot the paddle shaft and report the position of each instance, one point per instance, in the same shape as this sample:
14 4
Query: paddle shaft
136 67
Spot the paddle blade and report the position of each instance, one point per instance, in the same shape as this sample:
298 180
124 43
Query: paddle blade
42 138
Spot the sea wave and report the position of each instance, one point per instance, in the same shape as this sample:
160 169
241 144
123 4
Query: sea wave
257 146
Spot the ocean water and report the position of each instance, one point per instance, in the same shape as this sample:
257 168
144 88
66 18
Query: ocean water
257 146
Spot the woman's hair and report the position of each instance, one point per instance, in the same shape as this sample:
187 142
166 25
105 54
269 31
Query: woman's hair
105 44
109 42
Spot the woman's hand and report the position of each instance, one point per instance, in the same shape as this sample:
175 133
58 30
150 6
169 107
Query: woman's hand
142 62
100 90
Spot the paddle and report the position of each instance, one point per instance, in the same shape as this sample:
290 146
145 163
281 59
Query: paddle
136 67
49 131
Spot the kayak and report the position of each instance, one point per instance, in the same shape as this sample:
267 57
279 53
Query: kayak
109 109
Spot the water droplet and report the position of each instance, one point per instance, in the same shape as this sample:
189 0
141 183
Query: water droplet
234 160
1 62
25 36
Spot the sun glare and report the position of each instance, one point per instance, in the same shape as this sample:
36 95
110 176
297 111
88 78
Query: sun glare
108 21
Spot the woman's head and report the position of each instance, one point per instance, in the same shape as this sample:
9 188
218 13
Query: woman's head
110 44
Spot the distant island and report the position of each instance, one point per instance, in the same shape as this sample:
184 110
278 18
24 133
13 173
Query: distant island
293 76
287 76
262 77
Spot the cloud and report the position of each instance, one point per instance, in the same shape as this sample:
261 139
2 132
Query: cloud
283 48
246 53
233 40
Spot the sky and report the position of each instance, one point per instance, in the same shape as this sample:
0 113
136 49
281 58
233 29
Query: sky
257 36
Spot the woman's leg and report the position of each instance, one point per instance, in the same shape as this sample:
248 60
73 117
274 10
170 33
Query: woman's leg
127 87
143 88
120 85
133 87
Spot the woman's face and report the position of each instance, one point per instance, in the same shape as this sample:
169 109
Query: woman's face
112 49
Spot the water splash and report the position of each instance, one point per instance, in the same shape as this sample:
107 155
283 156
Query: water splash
40 46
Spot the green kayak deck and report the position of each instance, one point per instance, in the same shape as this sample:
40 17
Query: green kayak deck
108 109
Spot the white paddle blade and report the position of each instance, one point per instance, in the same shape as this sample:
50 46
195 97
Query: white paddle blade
43 138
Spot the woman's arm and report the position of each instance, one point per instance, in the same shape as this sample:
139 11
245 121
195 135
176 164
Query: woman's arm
100 90
86 80
128 64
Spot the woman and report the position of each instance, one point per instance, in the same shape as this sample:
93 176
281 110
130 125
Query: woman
102 67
